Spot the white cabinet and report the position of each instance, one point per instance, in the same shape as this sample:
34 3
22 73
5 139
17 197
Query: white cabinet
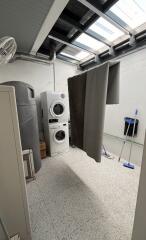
139 228
13 197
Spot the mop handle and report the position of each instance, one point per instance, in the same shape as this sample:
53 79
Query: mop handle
125 140
126 135
133 131
127 131
136 112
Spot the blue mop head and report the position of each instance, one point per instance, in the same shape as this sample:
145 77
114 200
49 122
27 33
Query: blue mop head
128 165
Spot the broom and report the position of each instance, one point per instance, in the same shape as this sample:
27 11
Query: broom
129 164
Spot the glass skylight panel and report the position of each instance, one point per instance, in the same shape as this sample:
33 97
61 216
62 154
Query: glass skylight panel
75 53
106 30
78 56
130 13
88 42
68 55
81 55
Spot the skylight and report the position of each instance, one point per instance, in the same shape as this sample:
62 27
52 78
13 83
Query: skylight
106 29
89 42
129 13
76 54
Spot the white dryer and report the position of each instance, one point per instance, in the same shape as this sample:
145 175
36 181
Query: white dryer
58 138
55 107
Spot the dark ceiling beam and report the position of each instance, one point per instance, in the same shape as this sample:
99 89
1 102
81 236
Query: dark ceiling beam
103 7
97 4
109 4
90 21
57 37
60 49
80 28
101 14
77 34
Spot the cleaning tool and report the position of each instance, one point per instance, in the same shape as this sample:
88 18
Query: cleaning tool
129 164
127 131
129 122
106 154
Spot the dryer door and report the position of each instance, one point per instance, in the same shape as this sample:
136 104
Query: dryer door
57 109
59 136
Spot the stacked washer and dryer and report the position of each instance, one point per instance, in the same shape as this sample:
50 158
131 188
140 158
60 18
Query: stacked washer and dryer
55 116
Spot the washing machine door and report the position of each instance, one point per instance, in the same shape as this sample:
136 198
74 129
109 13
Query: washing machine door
57 109
59 136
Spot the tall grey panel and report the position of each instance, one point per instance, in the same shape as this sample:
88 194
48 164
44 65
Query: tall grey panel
95 101
77 91
113 83
28 122
88 95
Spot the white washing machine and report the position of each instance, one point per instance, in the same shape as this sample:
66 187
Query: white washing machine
58 138
55 107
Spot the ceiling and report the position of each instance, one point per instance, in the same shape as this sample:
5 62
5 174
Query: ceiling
84 32
23 19
91 31
74 20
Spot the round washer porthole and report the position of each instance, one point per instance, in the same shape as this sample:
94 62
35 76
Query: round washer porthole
57 109
59 136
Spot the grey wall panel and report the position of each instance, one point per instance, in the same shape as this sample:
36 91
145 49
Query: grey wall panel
22 19
113 84
95 102
88 94
77 92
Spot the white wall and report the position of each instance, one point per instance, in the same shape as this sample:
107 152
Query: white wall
132 93
40 76
132 96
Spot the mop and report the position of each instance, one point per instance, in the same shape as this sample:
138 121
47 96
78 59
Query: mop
129 164
106 154
124 140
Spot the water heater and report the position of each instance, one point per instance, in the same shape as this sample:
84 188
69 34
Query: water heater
28 122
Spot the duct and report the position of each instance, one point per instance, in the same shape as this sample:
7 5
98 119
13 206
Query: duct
37 59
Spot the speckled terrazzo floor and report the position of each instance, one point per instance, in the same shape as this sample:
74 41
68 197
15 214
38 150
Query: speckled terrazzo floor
75 198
